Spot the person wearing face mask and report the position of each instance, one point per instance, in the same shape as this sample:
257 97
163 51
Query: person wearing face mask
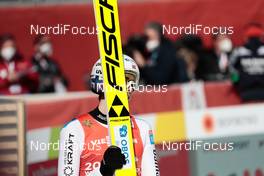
51 76
163 66
222 49
17 75
247 64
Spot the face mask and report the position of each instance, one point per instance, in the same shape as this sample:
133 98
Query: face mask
8 53
225 45
46 49
152 44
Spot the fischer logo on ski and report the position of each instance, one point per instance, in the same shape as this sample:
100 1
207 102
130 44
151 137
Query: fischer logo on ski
110 46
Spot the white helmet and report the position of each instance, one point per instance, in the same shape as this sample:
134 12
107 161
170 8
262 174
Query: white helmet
96 77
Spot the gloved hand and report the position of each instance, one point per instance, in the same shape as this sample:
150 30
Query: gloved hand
113 159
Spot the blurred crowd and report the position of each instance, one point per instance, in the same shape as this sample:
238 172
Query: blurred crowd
163 61
18 75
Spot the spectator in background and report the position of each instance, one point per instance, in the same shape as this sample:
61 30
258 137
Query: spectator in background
51 77
247 65
17 76
137 43
202 65
222 49
162 66
188 52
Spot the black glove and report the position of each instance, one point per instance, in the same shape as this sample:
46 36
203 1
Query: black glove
113 159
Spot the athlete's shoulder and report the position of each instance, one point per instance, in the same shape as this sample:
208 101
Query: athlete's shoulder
71 123
84 117
73 134
76 122
145 131
72 128
142 124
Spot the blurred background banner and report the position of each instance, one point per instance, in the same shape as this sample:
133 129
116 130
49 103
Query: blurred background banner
241 161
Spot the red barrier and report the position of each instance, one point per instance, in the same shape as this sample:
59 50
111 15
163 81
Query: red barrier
221 94
57 112
78 53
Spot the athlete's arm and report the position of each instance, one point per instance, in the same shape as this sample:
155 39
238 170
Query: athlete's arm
149 165
71 145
